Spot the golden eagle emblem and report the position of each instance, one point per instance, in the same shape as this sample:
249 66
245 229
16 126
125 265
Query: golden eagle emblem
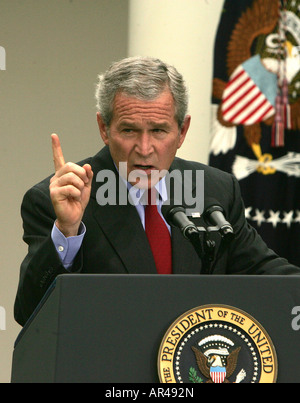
262 56
217 364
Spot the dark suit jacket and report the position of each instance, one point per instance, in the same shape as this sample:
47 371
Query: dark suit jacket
115 241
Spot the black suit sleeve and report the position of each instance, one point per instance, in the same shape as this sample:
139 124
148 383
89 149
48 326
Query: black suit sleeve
248 253
42 263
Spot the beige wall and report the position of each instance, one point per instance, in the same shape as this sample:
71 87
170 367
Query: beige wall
54 51
181 32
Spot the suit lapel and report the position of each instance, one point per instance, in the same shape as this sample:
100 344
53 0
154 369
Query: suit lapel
121 223
123 228
185 259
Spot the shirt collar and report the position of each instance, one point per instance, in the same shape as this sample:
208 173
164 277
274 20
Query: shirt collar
137 195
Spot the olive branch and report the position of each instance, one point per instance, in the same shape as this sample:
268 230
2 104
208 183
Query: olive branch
193 377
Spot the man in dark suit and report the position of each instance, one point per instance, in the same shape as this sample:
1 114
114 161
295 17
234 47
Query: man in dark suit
143 121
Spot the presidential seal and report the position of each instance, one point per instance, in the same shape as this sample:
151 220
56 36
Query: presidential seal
217 344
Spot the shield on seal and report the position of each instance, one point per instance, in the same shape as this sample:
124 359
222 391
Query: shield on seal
218 374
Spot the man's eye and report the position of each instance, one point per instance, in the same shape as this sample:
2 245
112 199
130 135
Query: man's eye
159 132
128 132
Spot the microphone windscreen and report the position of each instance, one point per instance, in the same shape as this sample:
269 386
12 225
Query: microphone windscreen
210 205
169 208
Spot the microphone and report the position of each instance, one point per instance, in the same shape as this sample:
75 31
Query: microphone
175 216
214 214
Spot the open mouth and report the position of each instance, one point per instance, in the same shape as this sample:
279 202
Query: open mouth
142 174
144 167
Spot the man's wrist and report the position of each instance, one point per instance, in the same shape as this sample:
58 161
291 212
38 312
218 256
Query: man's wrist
68 231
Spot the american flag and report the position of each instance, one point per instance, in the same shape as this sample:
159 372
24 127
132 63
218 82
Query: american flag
247 108
243 101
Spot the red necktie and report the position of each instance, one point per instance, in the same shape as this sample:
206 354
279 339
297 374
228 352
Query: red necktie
158 235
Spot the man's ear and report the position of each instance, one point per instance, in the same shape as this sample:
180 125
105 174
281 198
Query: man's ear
102 128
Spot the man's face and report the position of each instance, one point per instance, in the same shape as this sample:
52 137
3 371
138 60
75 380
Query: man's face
145 135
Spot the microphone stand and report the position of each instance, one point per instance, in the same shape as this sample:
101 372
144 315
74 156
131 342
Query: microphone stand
204 246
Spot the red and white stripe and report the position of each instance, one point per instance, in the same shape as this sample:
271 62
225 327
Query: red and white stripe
218 377
243 102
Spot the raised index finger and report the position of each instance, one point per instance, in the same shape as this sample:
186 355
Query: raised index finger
58 156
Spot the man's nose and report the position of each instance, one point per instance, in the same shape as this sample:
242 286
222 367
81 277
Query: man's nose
144 145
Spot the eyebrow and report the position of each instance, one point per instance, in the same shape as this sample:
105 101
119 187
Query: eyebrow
162 124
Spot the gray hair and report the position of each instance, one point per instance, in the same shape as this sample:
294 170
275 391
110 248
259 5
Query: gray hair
144 78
